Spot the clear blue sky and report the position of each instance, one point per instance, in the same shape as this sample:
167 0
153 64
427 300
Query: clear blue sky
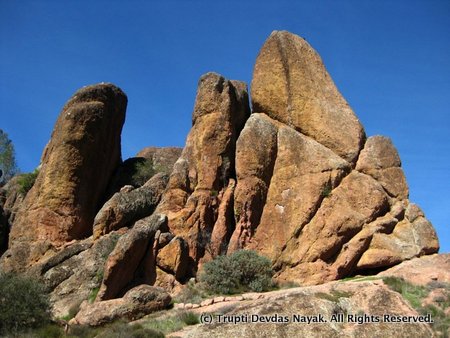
390 59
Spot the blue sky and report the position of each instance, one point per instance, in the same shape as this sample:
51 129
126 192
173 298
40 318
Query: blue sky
390 60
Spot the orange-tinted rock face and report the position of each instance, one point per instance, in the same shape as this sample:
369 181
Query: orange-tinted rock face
291 85
312 194
202 174
77 164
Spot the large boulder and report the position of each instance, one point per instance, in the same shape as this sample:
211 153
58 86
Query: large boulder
77 164
136 303
291 85
129 205
133 258
202 174
162 158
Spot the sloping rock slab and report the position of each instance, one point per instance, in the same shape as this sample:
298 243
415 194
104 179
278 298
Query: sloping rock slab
422 270
136 303
350 303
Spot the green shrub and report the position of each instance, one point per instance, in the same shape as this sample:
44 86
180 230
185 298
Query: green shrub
23 303
121 329
189 318
49 331
241 271
93 295
143 171
26 181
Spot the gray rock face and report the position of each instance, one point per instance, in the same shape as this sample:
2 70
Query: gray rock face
75 272
128 206
136 303
136 171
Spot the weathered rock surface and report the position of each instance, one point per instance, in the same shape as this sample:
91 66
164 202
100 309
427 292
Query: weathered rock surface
77 165
422 270
163 158
75 272
413 236
136 303
296 180
11 199
380 159
312 194
4 231
174 257
202 173
136 171
128 206
359 299
133 258
291 85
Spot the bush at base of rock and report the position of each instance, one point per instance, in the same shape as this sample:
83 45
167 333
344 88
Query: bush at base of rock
241 271
23 303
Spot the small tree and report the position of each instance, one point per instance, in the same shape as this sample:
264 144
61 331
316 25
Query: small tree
8 167
23 303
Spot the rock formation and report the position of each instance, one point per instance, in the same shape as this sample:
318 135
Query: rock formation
198 201
129 205
296 180
77 165
136 303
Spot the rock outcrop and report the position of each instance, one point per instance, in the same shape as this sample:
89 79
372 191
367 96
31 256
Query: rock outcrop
136 171
162 158
135 304
296 180
77 164
334 309
129 205
133 258
312 193
291 85
203 176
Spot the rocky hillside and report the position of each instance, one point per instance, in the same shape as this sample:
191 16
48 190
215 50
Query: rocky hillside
294 178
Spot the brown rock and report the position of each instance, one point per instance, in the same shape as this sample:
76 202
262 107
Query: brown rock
358 200
256 151
303 170
202 173
291 85
133 252
380 159
77 164
407 240
136 303
128 206
174 257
